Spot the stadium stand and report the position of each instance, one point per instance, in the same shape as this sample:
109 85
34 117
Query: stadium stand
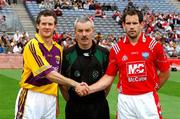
66 22
107 25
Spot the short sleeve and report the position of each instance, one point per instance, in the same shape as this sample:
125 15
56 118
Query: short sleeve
162 60
112 65
35 61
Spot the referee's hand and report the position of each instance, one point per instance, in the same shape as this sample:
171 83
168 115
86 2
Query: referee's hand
82 89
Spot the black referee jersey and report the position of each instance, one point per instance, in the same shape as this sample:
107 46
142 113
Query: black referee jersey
87 66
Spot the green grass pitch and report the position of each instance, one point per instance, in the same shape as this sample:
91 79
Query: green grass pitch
169 96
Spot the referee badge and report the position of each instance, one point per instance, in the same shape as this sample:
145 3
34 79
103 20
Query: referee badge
77 73
145 55
95 74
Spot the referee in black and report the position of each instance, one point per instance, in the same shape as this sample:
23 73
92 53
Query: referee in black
85 62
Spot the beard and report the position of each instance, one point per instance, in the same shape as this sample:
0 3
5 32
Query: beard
133 34
132 37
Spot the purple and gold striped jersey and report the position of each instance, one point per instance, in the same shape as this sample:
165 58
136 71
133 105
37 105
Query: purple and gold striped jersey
39 60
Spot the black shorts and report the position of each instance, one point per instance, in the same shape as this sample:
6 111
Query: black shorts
92 110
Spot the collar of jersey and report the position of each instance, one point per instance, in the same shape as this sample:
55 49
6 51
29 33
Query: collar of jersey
41 40
142 39
91 50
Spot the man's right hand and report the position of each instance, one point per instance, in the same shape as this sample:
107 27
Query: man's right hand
82 89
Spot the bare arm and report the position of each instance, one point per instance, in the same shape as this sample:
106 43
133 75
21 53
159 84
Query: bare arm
60 79
107 90
163 76
104 83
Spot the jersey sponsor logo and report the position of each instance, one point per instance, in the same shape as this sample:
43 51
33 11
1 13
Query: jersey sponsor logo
136 71
136 68
136 79
145 55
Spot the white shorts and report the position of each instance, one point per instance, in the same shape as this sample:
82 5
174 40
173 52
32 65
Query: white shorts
34 105
144 106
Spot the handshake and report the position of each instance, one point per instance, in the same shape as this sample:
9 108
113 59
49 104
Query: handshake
82 89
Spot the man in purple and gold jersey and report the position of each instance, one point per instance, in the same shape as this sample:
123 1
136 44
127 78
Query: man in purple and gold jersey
40 78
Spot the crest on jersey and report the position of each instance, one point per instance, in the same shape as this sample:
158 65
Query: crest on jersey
77 73
145 55
57 59
124 58
95 74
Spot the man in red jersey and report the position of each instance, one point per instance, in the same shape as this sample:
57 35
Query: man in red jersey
143 69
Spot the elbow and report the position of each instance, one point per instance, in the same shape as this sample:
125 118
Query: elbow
49 75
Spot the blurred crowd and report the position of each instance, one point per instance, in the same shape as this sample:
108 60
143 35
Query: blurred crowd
58 5
76 4
7 3
13 43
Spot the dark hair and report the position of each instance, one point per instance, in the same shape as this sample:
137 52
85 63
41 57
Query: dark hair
132 12
46 13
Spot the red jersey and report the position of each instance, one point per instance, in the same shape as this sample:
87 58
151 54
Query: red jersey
137 65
